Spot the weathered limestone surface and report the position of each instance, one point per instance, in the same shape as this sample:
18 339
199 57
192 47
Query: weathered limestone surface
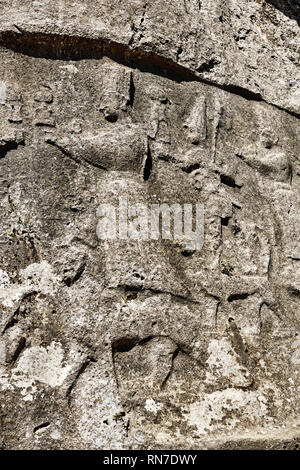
121 344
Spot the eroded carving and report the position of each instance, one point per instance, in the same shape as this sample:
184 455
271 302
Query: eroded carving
43 112
158 128
122 147
165 336
117 91
196 124
15 107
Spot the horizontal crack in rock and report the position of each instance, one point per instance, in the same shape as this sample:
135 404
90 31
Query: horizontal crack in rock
65 47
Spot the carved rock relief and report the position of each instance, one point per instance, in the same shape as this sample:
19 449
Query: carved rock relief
171 334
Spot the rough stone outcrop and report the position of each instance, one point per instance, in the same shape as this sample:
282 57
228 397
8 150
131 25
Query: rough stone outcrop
149 344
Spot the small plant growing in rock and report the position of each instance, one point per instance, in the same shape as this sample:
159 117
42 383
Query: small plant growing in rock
118 416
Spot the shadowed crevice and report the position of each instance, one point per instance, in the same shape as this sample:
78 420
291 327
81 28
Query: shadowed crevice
175 354
6 147
229 181
41 426
74 48
124 344
235 297
148 165
69 281
21 346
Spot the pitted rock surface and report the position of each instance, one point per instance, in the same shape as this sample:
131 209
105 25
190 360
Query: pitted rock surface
137 343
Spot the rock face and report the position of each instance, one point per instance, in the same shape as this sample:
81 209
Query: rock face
149 342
